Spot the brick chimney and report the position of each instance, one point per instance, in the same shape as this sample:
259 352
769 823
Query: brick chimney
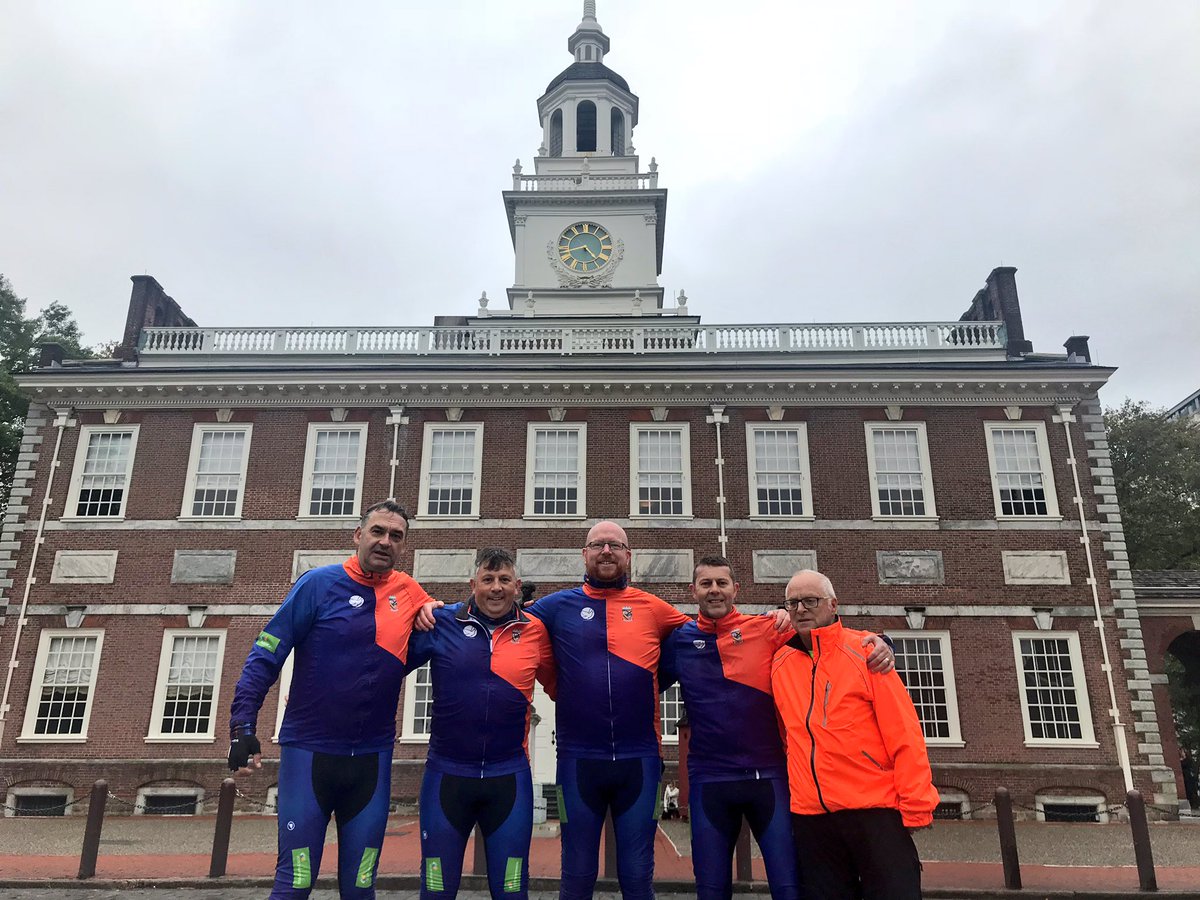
149 307
998 300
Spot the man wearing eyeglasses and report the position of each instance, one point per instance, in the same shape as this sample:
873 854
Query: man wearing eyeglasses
607 637
858 770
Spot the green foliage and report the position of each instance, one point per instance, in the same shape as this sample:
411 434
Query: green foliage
1156 467
20 340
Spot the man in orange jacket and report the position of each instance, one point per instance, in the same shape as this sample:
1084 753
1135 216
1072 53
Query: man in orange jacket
858 772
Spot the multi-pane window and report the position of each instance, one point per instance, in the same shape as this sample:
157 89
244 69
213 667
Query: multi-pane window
925 665
418 705
1021 477
217 471
778 457
671 710
188 676
333 470
898 461
100 484
1054 698
64 682
660 476
450 470
555 463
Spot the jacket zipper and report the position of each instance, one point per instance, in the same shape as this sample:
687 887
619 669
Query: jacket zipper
487 700
612 715
825 708
812 699
872 759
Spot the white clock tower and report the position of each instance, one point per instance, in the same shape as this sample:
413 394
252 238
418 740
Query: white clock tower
587 227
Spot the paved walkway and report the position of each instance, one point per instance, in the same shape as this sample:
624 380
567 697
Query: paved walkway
960 857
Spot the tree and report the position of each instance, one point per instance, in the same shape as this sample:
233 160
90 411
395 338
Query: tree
1156 467
20 339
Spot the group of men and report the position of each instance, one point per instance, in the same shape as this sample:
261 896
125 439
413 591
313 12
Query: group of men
798 724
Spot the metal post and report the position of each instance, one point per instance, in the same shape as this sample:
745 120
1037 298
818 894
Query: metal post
610 847
1008 840
741 869
220 848
479 861
684 730
1141 840
91 832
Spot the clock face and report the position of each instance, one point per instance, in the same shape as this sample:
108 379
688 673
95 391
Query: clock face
585 247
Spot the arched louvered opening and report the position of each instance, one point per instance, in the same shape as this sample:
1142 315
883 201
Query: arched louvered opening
617 133
556 133
585 127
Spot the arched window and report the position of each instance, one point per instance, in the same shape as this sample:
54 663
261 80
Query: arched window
556 133
585 127
617 133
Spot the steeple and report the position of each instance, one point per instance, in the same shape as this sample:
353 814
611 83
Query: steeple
589 43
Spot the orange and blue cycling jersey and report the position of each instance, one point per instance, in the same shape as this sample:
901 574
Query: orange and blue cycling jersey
723 667
607 642
350 631
482 674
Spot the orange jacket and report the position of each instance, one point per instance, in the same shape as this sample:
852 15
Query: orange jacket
853 739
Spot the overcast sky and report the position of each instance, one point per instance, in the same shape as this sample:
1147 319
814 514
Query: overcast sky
312 163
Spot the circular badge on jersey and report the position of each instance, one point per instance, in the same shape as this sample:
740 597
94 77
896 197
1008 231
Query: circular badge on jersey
587 613
357 601
470 631
698 644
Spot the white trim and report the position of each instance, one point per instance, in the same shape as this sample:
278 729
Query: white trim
156 734
271 804
427 458
407 736
669 738
926 469
1082 697
954 739
189 485
1049 486
310 458
139 808
285 687
1094 800
806 497
685 450
66 793
580 468
36 685
86 433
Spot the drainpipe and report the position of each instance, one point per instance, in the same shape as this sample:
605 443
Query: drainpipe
1066 417
60 423
717 419
396 419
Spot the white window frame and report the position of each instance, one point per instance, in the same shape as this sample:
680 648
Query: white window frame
662 699
85 439
39 674
943 637
156 734
427 458
271 804
1082 697
407 733
66 793
685 449
139 808
580 471
1048 480
926 470
1096 800
806 496
189 491
310 461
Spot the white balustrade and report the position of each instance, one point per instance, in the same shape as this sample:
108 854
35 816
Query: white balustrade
639 181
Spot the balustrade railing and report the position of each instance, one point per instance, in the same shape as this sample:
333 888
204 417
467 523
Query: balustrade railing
639 181
565 340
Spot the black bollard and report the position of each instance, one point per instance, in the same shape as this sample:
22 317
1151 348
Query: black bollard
741 867
1141 840
91 832
220 848
1008 840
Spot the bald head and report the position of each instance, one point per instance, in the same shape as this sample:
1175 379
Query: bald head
606 553
811 601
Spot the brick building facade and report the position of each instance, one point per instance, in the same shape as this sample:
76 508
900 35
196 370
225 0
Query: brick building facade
952 482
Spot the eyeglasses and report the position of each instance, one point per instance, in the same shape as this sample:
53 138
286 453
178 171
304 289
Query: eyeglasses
791 603
611 545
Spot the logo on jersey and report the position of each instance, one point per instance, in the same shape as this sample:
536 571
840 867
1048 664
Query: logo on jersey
737 635
698 644
291 826
627 613
587 613
357 601
516 636
470 631
393 604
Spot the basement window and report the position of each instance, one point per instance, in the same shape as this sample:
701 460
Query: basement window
1089 808
37 802
169 801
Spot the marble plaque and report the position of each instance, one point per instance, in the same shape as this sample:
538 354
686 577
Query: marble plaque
1035 567
910 567
778 566
203 567
84 567
303 560
444 565
661 566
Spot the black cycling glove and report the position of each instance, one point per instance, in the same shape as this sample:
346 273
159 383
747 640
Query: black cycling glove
242 748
